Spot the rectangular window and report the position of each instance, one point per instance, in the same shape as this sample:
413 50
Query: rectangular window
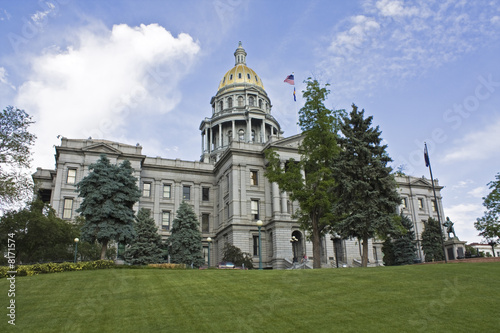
205 193
167 191
186 192
403 203
205 226
68 208
433 203
146 190
165 220
255 245
71 176
226 210
420 203
254 178
227 183
255 209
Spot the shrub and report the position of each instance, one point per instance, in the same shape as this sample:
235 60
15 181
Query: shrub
30 270
168 266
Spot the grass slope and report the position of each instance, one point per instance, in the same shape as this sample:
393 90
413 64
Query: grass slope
428 298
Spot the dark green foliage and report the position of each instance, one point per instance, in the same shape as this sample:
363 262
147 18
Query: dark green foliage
15 154
489 224
185 245
39 235
432 241
388 250
403 243
236 256
109 192
318 151
366 188
147 246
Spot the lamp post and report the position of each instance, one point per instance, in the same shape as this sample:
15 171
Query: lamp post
209 240
76 247
294 241
259 225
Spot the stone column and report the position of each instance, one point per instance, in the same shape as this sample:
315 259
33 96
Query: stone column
211 141
249 129
220 135
263 131
233 131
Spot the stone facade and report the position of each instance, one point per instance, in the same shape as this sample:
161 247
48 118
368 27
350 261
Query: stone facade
227 187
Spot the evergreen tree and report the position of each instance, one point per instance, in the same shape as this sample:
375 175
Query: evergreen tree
489 224
236 256
366 188
310 181
146 248
388 250
404 244
432 241
185 240
40 235
109 193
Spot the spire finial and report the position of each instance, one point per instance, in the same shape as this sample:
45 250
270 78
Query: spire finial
240 55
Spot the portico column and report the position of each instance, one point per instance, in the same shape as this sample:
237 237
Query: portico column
283 194
233 131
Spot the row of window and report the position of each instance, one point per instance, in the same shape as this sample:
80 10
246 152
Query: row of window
241 103
404 204
167 192
240 76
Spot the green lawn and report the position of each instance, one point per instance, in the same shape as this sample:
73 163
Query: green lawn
454 297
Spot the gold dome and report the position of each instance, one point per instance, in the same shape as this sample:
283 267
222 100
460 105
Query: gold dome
240 74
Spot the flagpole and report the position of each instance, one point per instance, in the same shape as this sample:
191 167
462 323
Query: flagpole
428 163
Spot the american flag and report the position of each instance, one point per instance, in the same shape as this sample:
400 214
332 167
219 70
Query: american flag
290 79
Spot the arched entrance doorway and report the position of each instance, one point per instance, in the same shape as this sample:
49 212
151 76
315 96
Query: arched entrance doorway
297 241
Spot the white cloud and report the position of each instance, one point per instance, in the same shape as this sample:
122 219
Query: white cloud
40 16
395 8
4 15
392 40
476 146
478 192
3 78
464 216
89 89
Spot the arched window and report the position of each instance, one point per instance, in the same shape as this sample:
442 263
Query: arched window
229 102
231 77
241 135
260 104
229 136
251 101
239 75
240 100
221 105
253 136
248 76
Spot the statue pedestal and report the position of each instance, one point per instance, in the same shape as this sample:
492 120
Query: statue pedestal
454 248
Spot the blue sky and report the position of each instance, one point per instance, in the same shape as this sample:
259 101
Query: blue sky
144 72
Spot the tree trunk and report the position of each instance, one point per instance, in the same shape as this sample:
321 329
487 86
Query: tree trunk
103 250
364 257
316 243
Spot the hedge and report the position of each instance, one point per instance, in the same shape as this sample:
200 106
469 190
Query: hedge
30 270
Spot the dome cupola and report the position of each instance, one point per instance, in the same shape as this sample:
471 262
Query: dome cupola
241 112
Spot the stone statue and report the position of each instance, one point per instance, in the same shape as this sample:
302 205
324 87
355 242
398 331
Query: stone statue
449 228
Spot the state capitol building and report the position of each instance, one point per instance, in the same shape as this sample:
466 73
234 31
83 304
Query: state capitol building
227 187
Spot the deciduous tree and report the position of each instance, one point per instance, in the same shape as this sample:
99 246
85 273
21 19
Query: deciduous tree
39 235
15 155
185 240
489 224
236 256
366 189
109 193
310 180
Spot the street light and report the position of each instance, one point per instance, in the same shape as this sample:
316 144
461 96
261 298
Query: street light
76 247
259 225
209 240
294 240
